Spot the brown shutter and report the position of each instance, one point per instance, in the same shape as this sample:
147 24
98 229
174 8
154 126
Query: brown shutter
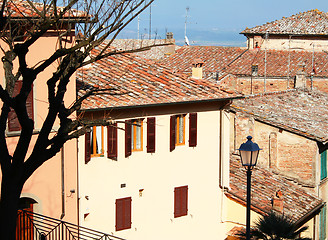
151 135
192 129
128 146
112 141
87 156
172 133
13 123
181 201
123 213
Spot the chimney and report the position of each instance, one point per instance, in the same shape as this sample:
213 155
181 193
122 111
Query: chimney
197 69
169 39
300 78
278 202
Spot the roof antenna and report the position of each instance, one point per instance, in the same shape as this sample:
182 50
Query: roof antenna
186 38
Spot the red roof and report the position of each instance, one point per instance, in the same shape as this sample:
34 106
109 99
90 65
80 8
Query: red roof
23 9
297 202
142 82
313 22
238 61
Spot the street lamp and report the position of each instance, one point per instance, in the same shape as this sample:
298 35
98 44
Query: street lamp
249 152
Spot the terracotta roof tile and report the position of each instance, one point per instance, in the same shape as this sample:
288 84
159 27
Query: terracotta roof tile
297 202
300 111
22 9
313 22
219 61
142 82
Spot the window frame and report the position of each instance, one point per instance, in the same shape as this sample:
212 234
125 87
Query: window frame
178 129
94 140
135 124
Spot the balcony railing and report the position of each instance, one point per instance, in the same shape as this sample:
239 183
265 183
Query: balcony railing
33 226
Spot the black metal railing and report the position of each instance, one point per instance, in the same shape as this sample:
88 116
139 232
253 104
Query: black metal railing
33 226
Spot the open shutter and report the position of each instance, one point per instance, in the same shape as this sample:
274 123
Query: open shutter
192 129
87 156
123 213
128 146
13 123
172 133
112 141
323 157
151 135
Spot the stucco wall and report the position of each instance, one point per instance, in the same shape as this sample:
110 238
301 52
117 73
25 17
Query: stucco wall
157 174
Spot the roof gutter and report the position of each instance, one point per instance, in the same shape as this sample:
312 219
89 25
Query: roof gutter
162 104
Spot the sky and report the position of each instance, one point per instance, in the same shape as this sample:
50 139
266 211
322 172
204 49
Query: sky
214 22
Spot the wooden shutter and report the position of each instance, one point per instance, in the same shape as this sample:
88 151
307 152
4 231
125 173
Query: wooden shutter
192 129
123 213
172 133
87 156
323 157
180 201
151 135
112 141
13 123
128 146
322 223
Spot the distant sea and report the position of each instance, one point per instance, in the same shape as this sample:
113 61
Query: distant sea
227 38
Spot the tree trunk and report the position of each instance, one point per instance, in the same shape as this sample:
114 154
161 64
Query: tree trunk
10 193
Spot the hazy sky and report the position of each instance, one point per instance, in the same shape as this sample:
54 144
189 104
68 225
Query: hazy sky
216 21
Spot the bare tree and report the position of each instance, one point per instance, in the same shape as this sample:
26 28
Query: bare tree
96 21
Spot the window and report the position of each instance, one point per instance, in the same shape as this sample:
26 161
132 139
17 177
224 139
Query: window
177 131
13 124
180 201
97 141
136 135
323 233
255 70
133 136
323 172
123 213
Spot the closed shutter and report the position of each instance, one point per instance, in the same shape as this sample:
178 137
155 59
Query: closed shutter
192 129
87 156
128 146
323 217
112 141
151 135
123 213
323 157
172 133
180 201
13 123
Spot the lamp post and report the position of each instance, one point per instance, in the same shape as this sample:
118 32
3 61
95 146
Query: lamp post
249 152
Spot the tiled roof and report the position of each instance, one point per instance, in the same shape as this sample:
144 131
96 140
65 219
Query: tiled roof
142 82
23 9
155 53
300 111
313 22
297 202
238 61
214 57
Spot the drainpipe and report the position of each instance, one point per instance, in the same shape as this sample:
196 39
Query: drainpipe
63 183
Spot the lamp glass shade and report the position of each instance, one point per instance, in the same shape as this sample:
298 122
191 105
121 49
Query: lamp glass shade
249 152
249 158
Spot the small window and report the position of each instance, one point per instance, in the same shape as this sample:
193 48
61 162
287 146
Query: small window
180 129
97 141
180 201
255 70
123 213
137 135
